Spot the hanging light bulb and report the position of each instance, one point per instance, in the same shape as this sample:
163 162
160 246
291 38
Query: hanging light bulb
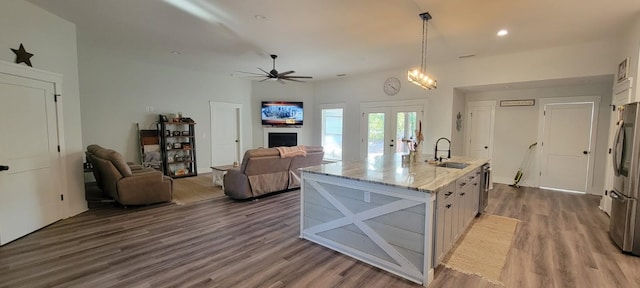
419 76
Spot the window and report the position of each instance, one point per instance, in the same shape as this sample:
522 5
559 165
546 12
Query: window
332 122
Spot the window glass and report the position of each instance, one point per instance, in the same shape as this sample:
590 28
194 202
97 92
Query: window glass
332 133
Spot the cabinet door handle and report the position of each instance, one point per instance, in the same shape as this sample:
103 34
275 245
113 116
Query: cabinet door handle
4 167
475 184
448 206
462 184
462 194
448 193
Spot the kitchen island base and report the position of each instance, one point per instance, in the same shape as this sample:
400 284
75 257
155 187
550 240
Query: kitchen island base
378 224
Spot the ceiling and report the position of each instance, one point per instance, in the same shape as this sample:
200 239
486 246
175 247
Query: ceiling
323 38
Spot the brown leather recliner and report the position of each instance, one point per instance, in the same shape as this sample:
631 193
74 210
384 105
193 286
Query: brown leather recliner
116 178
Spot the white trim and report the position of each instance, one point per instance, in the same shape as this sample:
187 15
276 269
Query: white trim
562 190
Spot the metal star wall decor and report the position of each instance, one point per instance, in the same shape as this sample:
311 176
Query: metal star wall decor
22 56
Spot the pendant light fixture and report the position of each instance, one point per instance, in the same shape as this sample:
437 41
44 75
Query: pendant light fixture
419 76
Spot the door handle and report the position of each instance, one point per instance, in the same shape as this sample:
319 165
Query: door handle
237 141
486 147
614 195
4 168
585 152
616 146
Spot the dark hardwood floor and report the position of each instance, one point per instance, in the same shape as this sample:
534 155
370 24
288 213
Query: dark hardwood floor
562 241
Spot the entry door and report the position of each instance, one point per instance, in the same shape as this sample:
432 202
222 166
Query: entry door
480 123
388 130
225 133
30 189
566 146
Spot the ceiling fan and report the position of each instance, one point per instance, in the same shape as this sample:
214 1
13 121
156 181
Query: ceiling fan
273 74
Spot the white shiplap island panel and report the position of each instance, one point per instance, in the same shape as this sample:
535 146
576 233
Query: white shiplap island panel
380 214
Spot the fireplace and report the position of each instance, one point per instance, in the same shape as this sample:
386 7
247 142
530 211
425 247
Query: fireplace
276 139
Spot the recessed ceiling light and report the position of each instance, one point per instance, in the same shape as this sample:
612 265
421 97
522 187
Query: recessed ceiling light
503 32
176 52
260 17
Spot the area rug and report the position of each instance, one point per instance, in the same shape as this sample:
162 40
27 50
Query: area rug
194 189
483 249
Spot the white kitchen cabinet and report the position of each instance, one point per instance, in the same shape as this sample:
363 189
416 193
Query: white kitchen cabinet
456 205
444 213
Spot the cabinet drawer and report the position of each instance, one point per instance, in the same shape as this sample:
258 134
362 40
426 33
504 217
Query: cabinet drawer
445 194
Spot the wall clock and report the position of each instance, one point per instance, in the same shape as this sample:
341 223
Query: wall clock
392 86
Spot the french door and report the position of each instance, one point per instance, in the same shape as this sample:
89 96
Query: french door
388 130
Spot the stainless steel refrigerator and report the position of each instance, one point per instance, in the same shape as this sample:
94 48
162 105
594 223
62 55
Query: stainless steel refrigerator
624 226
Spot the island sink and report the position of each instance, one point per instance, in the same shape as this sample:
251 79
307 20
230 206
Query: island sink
455 165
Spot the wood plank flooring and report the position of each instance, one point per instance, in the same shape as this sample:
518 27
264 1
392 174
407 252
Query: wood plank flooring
562 241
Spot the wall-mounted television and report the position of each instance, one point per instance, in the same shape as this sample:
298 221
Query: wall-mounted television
281 113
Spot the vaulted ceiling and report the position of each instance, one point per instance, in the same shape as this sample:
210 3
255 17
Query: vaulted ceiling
323 38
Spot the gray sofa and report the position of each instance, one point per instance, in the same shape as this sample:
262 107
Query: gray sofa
263 171
127 183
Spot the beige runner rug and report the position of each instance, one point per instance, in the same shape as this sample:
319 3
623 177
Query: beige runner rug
193 189
483 249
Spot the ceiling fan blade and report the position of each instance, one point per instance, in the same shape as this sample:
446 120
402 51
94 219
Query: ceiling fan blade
300 77
286 73
294 80
251 73
265 79
281 82
265 72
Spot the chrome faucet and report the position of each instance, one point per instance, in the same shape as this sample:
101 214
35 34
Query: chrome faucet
435 149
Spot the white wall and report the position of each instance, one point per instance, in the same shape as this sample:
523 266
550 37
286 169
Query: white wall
118 87
588 59
517 127
457 136
291 91
631 48
52 40
352 91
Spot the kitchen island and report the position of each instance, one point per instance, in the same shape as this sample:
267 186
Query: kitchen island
389 214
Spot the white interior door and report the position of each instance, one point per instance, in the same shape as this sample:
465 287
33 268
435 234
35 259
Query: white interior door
566 146
387 129
480 127
225 133
30 189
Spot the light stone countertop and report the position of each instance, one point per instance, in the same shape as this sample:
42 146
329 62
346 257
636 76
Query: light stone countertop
388 170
